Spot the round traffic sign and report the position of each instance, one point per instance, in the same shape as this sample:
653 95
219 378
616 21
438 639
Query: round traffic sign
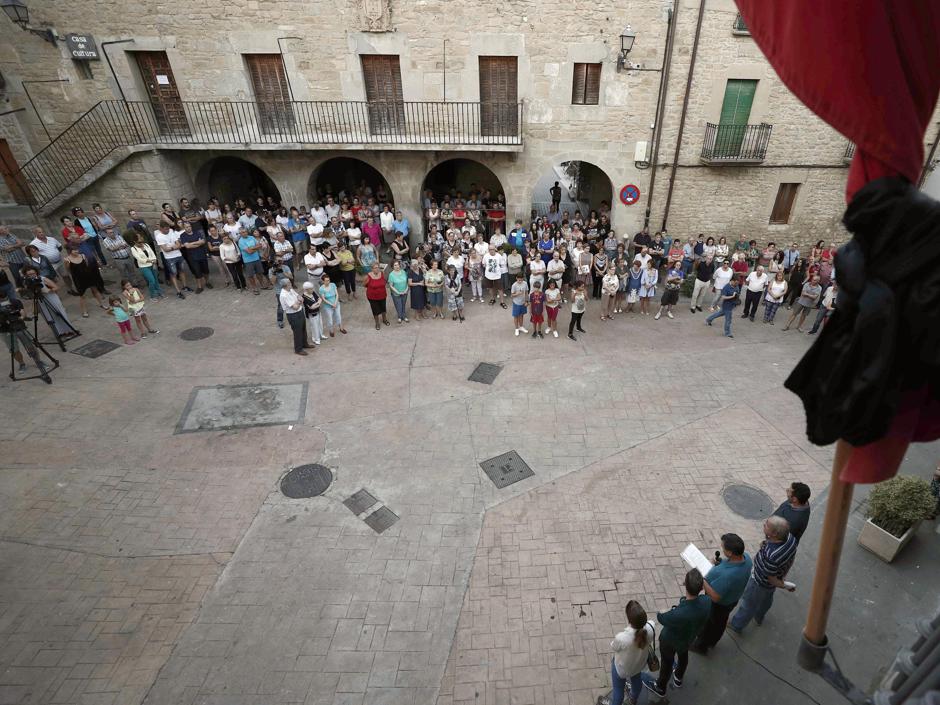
629 194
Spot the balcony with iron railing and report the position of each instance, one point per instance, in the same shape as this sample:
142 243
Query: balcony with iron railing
849 153
112 125
735 144
739 27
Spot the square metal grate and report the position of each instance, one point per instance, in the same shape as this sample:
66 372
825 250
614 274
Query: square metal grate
381 519
359 502
506 469
96 348
485 373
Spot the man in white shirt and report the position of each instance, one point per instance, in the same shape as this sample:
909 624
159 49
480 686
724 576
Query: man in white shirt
314 261
232 228
756 283
354 236
493 275
169 243
498 239
293 304
319 214
51 249
722 276
248 221
644 256
331 208
315 233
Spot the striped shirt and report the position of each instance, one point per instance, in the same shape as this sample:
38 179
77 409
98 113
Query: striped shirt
16 256
774 560
118 247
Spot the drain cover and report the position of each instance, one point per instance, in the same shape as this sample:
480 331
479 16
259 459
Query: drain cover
748 502
96 348
485 373
359 502
197 333
381 519
306 481
506 469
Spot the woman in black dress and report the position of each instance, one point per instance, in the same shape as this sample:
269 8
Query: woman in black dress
86 276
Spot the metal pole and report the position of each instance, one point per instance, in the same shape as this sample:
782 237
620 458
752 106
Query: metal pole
30 99
107 58
290 89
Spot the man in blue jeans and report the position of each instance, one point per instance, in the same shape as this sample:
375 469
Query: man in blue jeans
729 299
771 565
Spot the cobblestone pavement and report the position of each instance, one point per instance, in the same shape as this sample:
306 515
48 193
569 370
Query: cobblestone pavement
143 566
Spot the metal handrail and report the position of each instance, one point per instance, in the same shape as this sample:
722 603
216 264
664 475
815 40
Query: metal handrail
735 143
113 124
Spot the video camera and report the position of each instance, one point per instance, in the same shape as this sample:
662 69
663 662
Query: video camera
11 318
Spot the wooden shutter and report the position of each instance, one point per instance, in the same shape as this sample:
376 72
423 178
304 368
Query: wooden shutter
272 94
499 96
381 74
783 204
158 78
736 106
578 84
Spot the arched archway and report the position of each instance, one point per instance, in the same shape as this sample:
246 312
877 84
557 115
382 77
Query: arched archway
583 186
228 178
460 177
345 177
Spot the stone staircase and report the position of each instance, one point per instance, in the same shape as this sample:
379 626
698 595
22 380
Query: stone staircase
20 220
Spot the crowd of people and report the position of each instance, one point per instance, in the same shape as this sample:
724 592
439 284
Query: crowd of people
701 617
316 259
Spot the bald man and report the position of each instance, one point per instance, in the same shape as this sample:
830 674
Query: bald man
771 565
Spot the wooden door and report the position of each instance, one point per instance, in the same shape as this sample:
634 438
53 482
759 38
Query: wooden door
499 96
272 94
161 88
15 181
382 76
735 113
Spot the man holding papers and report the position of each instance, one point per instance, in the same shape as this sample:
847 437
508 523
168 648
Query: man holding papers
724 584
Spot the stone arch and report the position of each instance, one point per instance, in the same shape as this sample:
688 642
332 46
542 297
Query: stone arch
344 172
462 171
227 177
584 183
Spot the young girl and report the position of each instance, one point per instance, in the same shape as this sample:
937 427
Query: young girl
648 287
634 282
134 303
123 320
536 309
552 302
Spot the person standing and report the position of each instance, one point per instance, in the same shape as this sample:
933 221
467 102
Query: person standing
826 309
630 649
723 275
704 270
808 298
453 284
729 299
771 565
196 255
776 292
756 282
330 306
796 509
293 305
12 249
312 312
648 286
398 286
671 292
555 192
253 266
434 287
169 243
417 288
231 257
121 257
376 293
146 260
520 302
724 584
493 276
790 257
578 307
681 625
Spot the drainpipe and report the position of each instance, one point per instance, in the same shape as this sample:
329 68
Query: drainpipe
685 108
290 89
661 105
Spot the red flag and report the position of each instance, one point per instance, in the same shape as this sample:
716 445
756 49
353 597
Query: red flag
869 68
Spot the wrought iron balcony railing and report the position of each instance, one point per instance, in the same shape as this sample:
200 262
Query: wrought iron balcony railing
735 144
739 27
113 124
849 152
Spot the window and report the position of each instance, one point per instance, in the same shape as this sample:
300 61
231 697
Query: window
381 74
783 204
586 84
499 96
83 69
272 94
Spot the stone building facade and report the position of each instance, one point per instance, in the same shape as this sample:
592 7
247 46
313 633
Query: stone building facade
438 44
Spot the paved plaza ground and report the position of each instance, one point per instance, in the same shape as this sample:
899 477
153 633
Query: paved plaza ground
148 556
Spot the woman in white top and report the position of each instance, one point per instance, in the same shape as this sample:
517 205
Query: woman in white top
387 221
630 649
648 287
721 250
537 269
231 257
146 260
776 292
710 248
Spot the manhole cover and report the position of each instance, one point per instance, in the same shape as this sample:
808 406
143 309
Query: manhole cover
197 333
381 519
506 469
96 348
748 502
485 373
359 502
306 481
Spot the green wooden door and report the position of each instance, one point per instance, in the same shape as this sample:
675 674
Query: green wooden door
735 113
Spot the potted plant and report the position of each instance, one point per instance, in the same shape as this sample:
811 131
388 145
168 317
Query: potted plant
895 509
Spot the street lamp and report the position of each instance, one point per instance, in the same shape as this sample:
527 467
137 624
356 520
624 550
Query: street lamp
18 13
627 37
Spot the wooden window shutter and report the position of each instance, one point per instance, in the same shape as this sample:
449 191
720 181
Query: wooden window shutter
499 95
592 89
381 74
578 84
783 204
268 78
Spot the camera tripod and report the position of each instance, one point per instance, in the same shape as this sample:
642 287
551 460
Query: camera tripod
18 338
54 319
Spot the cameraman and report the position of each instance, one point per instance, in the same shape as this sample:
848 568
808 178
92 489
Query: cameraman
10 310
46 291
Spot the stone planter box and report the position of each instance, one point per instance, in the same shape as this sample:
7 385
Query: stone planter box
882 543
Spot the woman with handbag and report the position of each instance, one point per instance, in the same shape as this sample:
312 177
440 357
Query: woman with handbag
633 649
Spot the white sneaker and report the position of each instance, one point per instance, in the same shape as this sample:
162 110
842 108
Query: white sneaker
523 330
555 333
517 331
669 313
656 317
